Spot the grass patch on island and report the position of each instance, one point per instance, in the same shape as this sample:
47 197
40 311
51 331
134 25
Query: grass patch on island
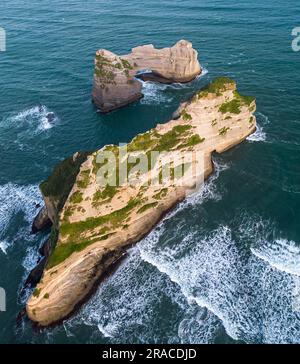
147 207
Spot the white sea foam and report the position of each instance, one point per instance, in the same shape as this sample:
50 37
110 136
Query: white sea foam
260 134
197 272
123 308
108 330
154 93
256 299
158 93
203 73
198 325
281 254
242 277
23 127
39 116
3 246
30 259
14 200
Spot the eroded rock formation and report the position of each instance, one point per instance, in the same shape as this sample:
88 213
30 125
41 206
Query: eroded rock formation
41 221
115 84
95 224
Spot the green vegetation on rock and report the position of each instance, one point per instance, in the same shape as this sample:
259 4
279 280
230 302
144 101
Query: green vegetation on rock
59 184
224 130
84 179
147 207
76 236
76 197
36 292
105 195
74 232
192 141
169 140
161 194
186 116
105 69
234 106
216 87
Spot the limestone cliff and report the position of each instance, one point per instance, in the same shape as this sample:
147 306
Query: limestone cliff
98 222
115 84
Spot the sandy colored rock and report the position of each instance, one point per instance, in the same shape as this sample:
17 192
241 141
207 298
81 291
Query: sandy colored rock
115 84
97 223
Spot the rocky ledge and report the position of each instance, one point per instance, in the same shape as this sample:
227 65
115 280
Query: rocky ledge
93 224
115 77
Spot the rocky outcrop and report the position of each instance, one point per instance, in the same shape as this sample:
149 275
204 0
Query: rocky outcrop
98 222
36 274
41 221
56 188
115 84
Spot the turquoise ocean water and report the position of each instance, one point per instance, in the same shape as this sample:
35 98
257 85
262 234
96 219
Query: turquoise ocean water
224 266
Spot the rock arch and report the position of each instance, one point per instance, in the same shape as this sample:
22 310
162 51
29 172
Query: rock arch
115 77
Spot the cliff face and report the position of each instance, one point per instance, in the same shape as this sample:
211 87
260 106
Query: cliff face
56 188
97 222
115 84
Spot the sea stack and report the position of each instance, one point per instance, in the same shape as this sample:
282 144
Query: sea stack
93 224
115 77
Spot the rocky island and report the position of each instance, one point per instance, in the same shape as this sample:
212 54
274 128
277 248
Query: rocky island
115 77
94 223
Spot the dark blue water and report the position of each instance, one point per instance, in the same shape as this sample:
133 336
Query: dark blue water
225 265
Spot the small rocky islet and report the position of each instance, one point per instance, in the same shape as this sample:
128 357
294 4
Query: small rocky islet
94 224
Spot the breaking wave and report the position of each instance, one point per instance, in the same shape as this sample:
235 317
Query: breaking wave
281 254
3 246
158 93
39 116
17 203
256 296
23 128
260 134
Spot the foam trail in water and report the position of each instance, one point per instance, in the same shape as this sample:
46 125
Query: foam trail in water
122 307
203 73
154 93
159 93
18 207
127 308
259 135
281 254
3 246
39 116
16 199
257 300
190 270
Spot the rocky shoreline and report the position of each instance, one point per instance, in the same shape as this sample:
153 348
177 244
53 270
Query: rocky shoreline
94 225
